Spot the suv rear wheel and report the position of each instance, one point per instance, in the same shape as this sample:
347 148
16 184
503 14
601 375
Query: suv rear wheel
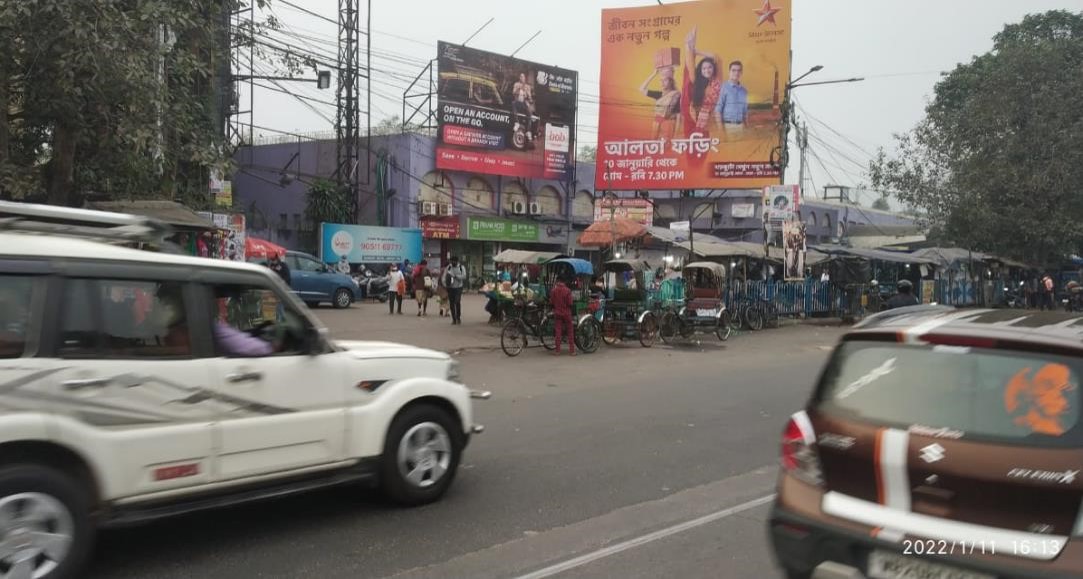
45 528
421 455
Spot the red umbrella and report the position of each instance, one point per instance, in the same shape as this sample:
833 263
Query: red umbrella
261 248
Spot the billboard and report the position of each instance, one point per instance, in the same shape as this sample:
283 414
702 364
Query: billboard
504 116
690 94
781 203
638 210
369 244
793 237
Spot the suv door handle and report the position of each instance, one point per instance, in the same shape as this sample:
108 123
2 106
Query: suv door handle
244 377
82 384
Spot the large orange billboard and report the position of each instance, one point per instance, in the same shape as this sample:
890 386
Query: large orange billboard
691 94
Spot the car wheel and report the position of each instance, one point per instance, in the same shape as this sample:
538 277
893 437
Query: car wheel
421 455
46 523
343 298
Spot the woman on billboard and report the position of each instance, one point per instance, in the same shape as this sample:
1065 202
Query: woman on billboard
701 92
667 103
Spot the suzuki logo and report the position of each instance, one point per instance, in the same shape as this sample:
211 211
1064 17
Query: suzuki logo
932 453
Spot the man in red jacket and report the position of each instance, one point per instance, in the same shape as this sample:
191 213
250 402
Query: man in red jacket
561 299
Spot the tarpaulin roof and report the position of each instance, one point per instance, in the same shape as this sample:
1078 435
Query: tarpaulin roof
521 257
874 254
579 266
666 235
169 212
748 249
949 256
616 230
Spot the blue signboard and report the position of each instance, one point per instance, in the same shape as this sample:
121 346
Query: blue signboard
369 244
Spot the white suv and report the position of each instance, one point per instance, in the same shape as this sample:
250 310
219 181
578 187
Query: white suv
137 385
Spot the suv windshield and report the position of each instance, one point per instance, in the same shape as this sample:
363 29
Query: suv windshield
1005 396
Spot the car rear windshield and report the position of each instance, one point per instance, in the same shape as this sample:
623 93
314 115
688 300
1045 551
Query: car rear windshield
1002 395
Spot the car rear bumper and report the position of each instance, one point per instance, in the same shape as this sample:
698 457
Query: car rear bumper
803 544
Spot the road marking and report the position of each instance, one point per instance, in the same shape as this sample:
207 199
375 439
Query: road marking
648 538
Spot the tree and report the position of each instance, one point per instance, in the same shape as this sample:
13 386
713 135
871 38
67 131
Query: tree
588 154
111 96
328 203
881 204
996 163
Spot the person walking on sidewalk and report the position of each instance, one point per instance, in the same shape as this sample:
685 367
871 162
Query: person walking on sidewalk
561 299
396 287
454 278
422 287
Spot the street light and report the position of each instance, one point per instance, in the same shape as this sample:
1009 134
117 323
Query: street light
816 68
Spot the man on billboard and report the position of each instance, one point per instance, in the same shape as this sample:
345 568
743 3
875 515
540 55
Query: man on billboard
523 104
733 106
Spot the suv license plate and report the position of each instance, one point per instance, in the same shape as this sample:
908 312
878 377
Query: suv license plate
885 565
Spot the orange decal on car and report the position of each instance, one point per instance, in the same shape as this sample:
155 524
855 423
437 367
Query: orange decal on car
1040 398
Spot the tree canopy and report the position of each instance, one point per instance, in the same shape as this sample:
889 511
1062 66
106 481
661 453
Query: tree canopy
996 164
115 97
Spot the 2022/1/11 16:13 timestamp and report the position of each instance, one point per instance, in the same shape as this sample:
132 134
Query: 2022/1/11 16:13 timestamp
1041 548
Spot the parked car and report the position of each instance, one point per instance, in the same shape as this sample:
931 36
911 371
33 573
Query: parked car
139 385
939 443
316 282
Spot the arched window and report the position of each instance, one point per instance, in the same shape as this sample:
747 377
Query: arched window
514 192
549 199
436 187
811 221
584 205
478 194
827 223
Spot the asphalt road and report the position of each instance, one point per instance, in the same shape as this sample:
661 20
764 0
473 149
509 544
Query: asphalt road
626 463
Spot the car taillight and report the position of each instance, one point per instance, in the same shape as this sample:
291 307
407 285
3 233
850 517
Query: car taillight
799 456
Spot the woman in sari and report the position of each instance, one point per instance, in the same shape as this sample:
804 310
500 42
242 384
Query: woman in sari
667 104
702 90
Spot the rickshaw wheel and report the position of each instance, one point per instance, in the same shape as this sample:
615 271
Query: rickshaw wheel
724 327
610 332
586 336
755 319
513 337
686 329
548 332
648 330
667 329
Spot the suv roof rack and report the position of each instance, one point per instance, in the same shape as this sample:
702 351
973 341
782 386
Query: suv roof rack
85 223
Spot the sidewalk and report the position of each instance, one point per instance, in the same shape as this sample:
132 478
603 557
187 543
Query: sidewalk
371 321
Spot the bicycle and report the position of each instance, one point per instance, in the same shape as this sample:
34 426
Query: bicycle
532 321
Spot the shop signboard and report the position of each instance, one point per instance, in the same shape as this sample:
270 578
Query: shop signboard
369 244
504 116
637 209
440 227
494 229
743 210
691 94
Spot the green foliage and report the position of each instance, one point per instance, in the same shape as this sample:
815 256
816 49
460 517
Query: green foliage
881 204
328 203
996 165
112 96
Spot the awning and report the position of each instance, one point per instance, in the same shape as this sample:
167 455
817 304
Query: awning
949 257
579 266
523 257
169 212
666 235
874 254
616 230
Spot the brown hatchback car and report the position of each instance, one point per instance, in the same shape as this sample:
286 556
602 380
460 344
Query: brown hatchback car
939 444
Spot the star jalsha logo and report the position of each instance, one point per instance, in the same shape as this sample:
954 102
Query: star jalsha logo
766 14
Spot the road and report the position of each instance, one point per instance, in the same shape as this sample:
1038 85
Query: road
626 463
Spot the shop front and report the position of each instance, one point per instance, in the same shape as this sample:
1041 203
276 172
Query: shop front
484 237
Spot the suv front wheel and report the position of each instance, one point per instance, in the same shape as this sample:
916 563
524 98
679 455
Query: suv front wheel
45 528
421 455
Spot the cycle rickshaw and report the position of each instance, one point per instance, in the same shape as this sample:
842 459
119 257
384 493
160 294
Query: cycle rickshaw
587 328
628 312
704 309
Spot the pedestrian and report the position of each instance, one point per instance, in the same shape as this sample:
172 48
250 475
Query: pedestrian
396 288
278 266
343 266
1048 292
422 287
561 300
453 279
904 298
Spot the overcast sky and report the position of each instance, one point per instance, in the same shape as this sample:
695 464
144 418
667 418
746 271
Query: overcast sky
899 47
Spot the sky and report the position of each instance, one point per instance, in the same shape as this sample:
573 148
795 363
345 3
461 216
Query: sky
900 48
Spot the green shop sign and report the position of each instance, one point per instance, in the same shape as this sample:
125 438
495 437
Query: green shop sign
486 229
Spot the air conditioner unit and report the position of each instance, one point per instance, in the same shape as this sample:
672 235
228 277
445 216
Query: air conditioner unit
428 208
518 208
535 208
444 209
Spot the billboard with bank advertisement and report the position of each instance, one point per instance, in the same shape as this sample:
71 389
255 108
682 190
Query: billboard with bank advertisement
504 116
691 93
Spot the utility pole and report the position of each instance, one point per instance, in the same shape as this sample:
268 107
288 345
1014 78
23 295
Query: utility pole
802 143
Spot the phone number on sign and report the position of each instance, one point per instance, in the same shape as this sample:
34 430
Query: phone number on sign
1037 547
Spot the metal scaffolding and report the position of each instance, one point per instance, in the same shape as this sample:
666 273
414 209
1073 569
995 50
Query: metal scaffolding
348 99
